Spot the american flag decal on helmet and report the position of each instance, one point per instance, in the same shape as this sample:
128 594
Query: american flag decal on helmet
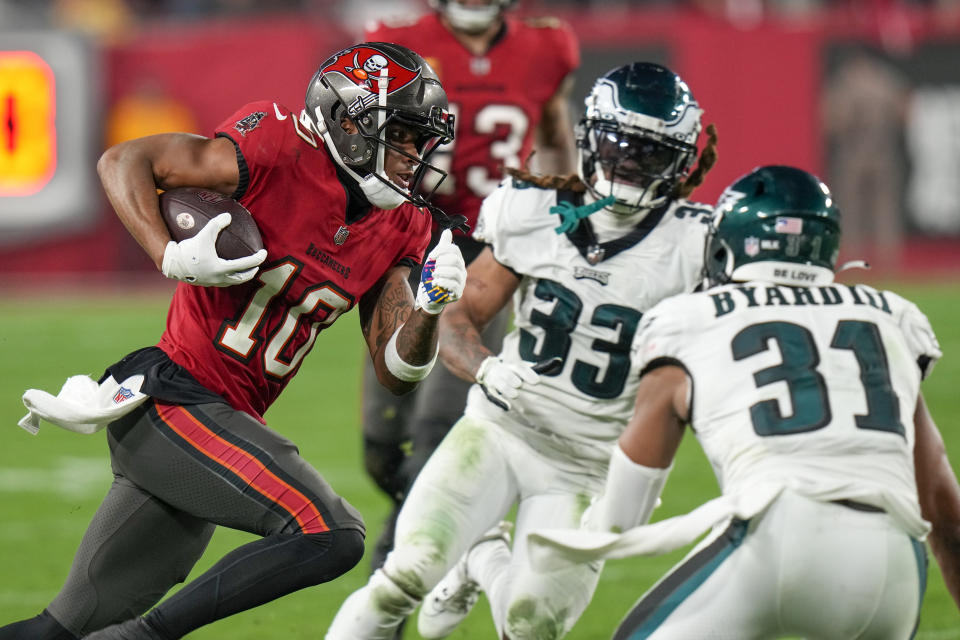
789 225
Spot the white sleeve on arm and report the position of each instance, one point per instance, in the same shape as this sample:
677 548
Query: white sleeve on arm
400 368
496 222
920 338
661 333
629 496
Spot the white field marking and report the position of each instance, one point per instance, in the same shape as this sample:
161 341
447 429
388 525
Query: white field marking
70 477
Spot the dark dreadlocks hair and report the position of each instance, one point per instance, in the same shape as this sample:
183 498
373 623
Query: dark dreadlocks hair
708 158
571 182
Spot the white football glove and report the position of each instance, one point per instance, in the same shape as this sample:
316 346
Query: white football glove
195 259
444 275
501 381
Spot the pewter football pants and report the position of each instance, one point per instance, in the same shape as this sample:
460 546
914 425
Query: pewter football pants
178 472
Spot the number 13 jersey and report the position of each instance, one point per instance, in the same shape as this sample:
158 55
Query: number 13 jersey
497 97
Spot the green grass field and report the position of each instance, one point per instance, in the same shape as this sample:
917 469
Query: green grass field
50 484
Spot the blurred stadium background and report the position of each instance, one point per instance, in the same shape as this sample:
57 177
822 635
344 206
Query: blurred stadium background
865 93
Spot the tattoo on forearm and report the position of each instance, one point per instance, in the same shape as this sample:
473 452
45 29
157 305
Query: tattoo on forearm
392 311
416 344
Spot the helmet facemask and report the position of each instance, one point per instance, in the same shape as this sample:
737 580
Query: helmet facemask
639 168
718 258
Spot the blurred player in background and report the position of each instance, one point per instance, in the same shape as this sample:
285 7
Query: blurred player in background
805 396
509 83
583 257
330 189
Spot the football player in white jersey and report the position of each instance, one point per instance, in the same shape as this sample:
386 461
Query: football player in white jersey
805 396
545 414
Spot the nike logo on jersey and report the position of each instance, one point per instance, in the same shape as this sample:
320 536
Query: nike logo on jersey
276 110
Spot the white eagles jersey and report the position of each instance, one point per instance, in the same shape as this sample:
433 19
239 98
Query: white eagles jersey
813 389
584 312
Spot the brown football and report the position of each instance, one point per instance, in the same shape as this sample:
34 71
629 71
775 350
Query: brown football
186 210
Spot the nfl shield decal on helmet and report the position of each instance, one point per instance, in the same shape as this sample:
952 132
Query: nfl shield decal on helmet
363 65
751 246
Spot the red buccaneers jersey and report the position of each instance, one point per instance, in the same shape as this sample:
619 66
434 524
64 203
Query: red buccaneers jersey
247 341
497 98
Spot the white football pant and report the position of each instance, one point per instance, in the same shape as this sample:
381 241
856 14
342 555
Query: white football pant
804 568
467 486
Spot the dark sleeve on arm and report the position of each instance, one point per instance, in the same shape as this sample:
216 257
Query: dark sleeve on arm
241 166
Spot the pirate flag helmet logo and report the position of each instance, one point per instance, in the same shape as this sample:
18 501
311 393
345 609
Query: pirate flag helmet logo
367 66
376 87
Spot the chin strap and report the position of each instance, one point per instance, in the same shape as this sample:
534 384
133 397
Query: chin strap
375 189
570 216
380 194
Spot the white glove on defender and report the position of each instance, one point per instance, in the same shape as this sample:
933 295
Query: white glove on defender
501 381
195 259
444 275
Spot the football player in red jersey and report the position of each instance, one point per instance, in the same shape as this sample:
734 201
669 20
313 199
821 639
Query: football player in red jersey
509 83
330 189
